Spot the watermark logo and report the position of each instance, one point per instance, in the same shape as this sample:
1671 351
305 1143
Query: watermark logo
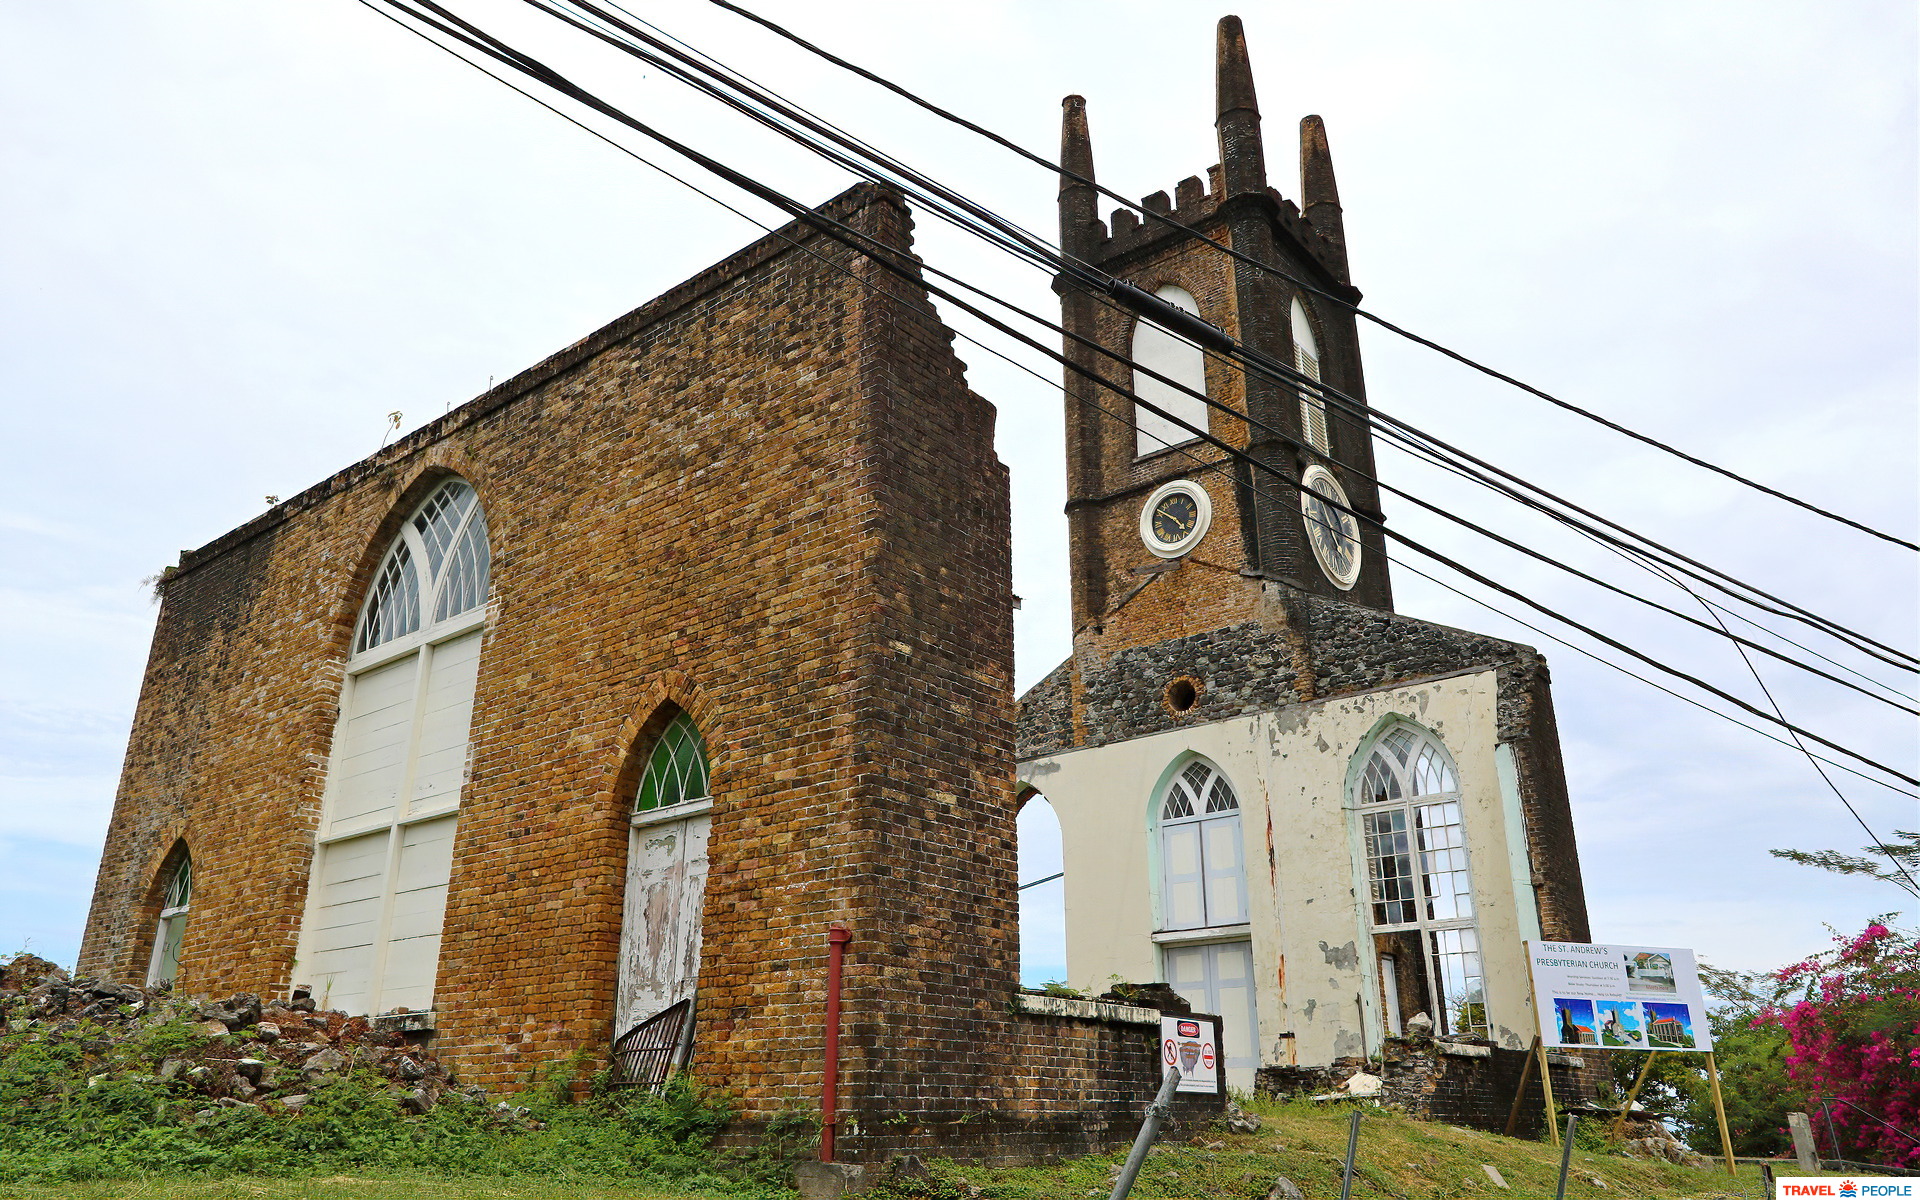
1859 1187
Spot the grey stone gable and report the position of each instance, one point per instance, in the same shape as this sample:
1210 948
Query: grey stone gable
1256 666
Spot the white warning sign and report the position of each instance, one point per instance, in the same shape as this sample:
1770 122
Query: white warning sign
1193 1045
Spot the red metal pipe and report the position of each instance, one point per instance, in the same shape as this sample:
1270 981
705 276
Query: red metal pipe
837 938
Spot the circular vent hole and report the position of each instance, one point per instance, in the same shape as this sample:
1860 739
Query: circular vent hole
1182 695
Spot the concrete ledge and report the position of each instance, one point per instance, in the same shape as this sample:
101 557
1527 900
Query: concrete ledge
1561 1058
1463 1049
1085 1010
409 1022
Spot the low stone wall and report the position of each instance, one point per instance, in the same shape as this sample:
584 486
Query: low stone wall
1084 1072
1461 1083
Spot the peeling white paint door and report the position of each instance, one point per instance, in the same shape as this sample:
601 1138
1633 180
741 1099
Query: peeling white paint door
1218 978
660 932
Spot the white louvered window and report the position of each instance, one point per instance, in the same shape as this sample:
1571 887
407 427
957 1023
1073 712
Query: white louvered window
1418 877
164 966
1179 360
1313 405
371 938
1203 877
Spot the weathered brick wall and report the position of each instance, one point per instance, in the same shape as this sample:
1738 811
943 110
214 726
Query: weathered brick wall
1114 607
766 498
1064 1085
932 872
1526 691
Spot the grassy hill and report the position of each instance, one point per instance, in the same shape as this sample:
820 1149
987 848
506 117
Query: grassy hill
1399 1157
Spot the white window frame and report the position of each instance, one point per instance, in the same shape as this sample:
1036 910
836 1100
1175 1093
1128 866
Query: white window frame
1195 795
423 642
1173 355
171 913
1450 859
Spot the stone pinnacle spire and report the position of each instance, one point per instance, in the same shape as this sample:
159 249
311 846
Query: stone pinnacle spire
1242 158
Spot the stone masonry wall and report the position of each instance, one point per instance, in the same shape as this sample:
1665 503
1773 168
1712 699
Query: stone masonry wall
1470 1084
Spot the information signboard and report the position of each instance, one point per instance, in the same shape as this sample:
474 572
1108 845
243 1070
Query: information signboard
1629 997
1193 1045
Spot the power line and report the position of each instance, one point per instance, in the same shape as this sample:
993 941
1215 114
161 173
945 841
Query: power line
887 257
1164 219
1026 245
1913 885
1251 488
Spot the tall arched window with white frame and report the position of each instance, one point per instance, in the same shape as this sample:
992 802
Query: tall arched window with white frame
1420 889
371 938
1306 359
175 901
1206 951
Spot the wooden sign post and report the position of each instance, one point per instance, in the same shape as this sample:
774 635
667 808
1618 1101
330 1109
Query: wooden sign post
1546 1074
1720 1111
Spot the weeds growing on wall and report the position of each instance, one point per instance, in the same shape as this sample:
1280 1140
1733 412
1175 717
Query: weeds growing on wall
82 1101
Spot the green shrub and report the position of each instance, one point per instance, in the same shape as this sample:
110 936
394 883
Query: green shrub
86 1103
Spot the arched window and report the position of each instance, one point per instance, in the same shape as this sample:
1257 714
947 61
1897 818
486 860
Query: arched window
371 939
1202 861
676 770
1306 357
1178 359
1205 950
1043 893
666 878
174 903
1420 888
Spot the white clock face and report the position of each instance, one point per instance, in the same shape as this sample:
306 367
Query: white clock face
1333 533
1175 518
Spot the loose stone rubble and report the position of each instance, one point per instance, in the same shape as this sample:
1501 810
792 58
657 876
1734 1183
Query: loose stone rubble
267 1054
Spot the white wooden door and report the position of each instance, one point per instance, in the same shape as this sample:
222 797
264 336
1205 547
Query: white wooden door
660 933
1218 978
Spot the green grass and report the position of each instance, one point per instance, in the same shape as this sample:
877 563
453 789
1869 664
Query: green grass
1399 1157
369 1186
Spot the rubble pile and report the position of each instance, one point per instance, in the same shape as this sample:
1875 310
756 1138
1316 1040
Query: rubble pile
1648 1137
271 1055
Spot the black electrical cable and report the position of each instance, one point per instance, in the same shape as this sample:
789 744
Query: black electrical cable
887 257
1652 565
1036 251
1252 489
1443 513
1164 219
1873 839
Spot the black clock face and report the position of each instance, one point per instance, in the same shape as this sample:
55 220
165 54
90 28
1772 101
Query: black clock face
1174 517
1335 534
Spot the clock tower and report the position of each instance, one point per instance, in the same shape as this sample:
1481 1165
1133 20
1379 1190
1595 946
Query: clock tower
1172 535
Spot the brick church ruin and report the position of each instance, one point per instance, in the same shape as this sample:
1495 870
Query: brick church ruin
615 686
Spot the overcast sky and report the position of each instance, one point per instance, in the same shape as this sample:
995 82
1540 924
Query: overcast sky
238 235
